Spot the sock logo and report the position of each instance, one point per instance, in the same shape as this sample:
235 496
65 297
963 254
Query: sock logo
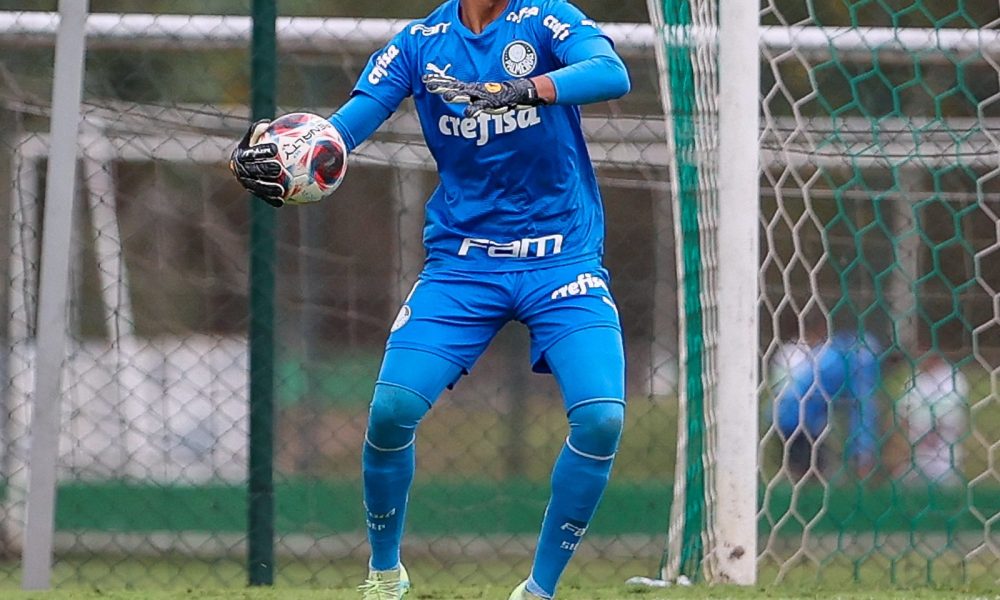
372 517
577 531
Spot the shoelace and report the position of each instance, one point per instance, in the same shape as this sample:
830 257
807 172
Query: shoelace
379 589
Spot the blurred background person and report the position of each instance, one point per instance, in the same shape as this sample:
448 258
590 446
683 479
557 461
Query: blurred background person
844 370
933 413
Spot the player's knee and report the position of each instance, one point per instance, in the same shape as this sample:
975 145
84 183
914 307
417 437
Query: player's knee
394 415
595 429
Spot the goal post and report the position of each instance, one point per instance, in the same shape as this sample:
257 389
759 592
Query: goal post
53 294
732 556
707 54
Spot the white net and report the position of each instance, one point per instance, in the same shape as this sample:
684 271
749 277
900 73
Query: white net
877 303
877 308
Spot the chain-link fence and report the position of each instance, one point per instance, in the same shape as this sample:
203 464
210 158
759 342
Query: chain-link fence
152 461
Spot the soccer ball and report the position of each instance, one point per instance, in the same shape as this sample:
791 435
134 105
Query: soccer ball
312 154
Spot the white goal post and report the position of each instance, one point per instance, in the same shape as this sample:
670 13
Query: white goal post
52 294
733 557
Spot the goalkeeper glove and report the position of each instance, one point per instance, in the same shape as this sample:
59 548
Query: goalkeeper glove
256 166
491 98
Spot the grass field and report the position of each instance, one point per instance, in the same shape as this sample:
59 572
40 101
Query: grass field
465 581
130 579
617 592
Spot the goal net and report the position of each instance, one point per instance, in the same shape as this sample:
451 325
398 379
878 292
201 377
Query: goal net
878 319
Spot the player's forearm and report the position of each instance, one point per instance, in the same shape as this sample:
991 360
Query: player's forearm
358 119
595 73
593 80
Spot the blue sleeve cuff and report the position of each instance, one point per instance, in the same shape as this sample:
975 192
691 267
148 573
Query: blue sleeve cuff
358 119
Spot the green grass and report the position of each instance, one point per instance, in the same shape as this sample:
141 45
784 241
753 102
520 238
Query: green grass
184 579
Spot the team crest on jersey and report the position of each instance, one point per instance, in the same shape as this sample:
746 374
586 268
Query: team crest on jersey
519 58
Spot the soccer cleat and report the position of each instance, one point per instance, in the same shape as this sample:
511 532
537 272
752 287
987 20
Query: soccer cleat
521 593
392 584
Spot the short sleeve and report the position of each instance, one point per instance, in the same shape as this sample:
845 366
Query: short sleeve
388 76
565 25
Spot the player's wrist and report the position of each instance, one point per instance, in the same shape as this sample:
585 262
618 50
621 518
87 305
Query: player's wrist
525 92
545 89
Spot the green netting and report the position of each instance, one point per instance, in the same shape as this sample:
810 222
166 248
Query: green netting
683 121
879 238
879 163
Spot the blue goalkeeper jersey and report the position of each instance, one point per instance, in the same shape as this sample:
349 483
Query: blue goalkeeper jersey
517 191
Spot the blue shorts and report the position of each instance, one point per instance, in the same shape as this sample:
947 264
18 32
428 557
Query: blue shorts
455 314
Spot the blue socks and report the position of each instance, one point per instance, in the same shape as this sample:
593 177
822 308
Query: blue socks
578 480
408 384
387 479
388 461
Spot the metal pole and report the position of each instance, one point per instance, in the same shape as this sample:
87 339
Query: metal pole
260 518
735 522
50 340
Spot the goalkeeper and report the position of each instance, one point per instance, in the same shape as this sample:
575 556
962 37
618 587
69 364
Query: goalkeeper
514 231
